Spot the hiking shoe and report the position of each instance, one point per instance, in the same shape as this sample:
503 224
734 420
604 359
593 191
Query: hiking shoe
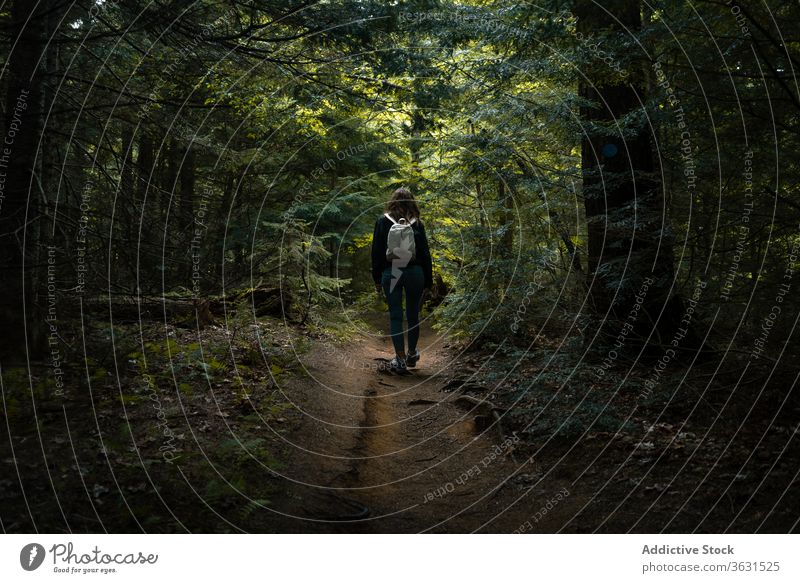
397 365
412 358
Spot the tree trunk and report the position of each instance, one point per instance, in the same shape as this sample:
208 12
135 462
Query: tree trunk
504 195
21 200
185 217
628 241
144 164
187 178
218 244
170 218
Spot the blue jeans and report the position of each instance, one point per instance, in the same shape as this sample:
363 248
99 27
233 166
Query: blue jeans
412 280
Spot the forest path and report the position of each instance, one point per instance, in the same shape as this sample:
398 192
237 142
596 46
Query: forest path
397 445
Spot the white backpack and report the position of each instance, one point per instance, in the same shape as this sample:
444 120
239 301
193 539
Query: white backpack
400 246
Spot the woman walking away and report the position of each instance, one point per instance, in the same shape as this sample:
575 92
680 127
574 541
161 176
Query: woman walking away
401 261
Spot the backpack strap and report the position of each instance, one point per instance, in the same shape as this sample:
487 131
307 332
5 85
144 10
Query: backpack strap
388 216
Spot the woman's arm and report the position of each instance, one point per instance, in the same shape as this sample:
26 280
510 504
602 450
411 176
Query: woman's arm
424 257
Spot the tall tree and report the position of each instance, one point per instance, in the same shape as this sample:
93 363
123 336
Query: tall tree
629 238
21 200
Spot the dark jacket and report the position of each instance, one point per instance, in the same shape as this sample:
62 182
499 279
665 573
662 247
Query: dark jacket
422 256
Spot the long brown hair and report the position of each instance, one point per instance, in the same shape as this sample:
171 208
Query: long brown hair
403 205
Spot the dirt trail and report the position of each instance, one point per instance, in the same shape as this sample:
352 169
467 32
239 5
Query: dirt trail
398 446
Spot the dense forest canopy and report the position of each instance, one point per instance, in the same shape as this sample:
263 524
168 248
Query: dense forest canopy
200 145
193 147
617 175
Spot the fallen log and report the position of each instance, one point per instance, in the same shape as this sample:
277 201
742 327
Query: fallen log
187 311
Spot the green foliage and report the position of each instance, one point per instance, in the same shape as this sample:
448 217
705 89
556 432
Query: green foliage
248 147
